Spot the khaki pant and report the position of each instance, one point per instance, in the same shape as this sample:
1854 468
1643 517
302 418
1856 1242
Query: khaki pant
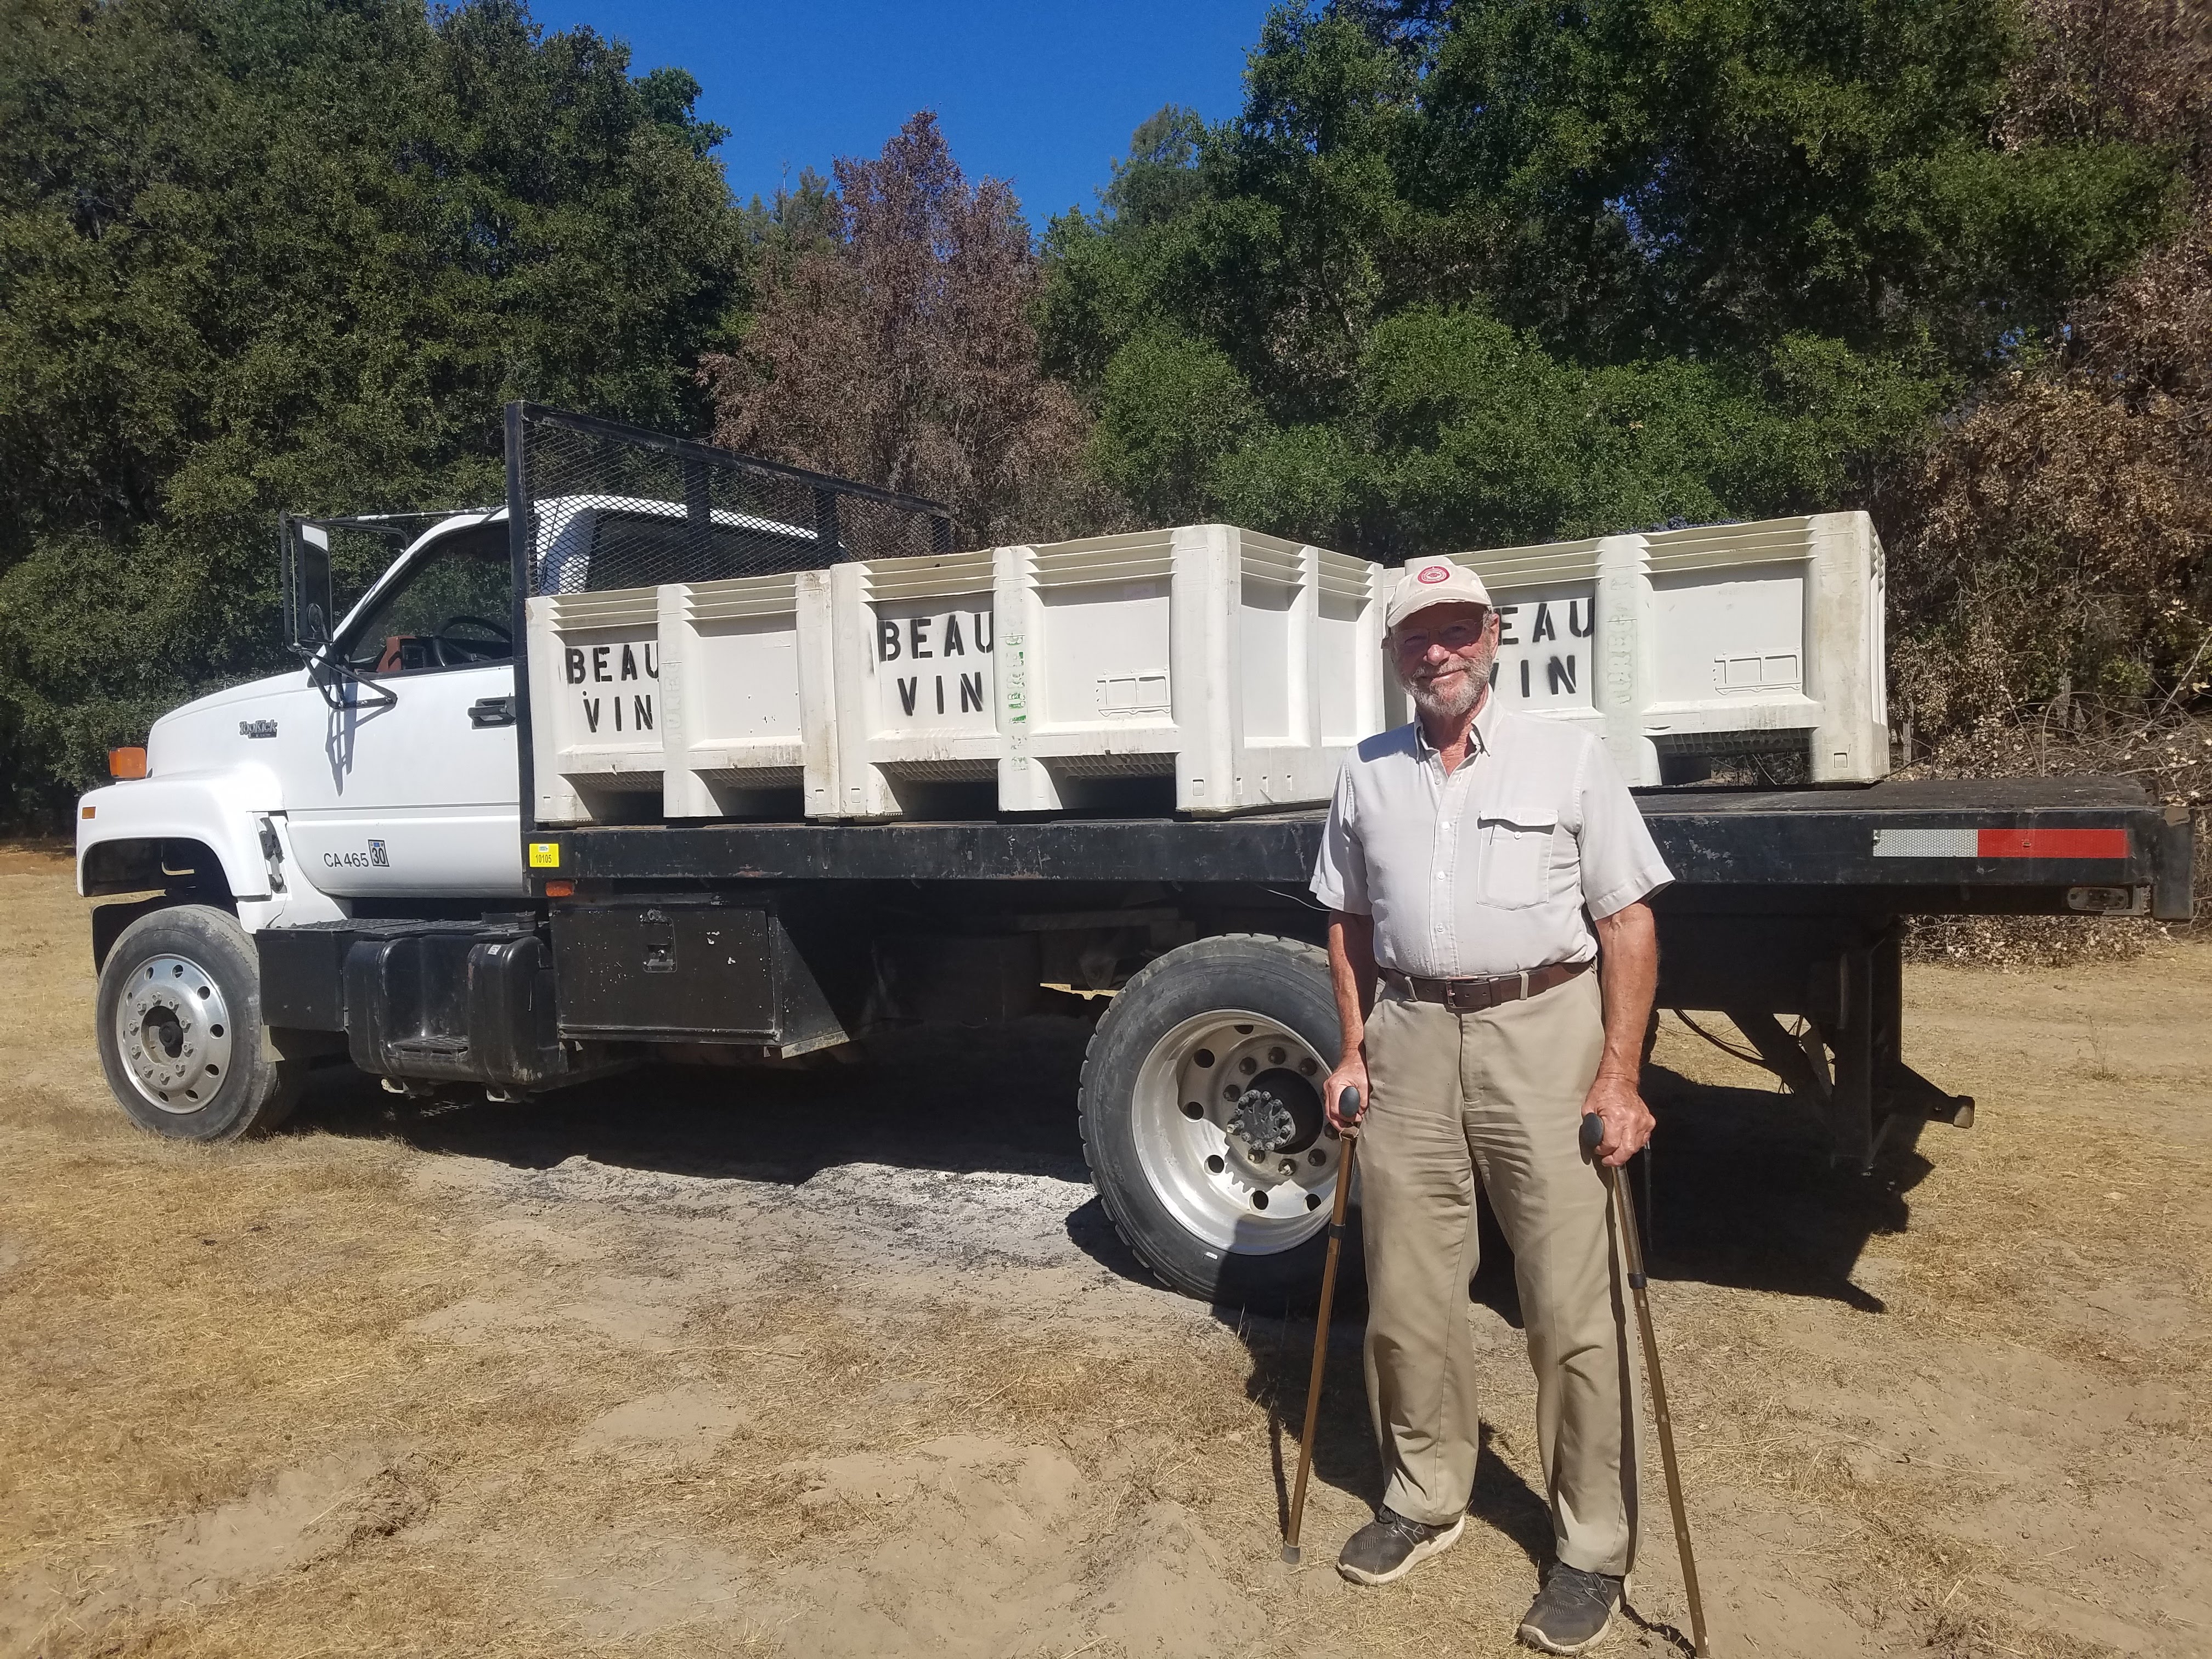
1495 1096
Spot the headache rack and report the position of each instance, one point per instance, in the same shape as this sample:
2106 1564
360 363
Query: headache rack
594 504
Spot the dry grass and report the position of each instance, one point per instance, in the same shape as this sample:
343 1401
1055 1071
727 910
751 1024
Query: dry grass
1954 1409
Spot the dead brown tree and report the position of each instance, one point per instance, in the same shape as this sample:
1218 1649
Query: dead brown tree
899 350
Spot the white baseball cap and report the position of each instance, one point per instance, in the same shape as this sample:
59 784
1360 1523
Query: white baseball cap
1433 581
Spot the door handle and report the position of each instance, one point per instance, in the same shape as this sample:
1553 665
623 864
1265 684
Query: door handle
491 711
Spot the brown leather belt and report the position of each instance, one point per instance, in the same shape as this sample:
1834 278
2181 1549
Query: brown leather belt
1472 996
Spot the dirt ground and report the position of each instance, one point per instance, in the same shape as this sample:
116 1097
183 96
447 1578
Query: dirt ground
849 1364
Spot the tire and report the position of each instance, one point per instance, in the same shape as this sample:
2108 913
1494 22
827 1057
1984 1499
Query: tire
1231 1205
178 1020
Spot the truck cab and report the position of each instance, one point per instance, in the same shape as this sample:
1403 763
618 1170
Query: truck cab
383 766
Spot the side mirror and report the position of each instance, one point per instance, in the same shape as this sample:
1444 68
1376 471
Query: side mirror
306 587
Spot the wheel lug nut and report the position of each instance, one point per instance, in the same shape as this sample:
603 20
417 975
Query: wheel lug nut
1307 1068
1290 1166
1317 1157
1247 1065
1276 1056
1229 1091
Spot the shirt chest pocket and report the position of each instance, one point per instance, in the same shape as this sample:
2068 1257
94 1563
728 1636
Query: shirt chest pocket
1515 854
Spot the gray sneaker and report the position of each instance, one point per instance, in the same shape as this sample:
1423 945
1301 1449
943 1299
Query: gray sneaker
1572 1611
1390 1547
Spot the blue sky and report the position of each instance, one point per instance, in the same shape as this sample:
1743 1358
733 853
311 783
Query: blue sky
1044 95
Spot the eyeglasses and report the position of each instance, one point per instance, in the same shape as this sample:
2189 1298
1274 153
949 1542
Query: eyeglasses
1457 637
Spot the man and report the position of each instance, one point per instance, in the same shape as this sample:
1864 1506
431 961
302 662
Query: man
1466 858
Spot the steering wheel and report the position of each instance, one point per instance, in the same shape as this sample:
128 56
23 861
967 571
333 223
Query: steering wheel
498 648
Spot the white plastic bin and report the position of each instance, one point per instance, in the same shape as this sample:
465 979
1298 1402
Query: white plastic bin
716 697
749 695
1237 666
1718 639
595 704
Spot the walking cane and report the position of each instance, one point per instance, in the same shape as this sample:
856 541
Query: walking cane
1632 1244
1347 1108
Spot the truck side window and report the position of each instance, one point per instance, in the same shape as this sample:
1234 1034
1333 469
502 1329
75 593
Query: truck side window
451 611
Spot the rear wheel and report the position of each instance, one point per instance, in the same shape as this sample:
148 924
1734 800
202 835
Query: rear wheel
1202 1117
179 1020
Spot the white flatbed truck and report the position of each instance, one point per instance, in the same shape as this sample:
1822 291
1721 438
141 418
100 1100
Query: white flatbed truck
342 863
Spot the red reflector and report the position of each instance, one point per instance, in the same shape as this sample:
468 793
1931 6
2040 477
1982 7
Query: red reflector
559 889
2051 844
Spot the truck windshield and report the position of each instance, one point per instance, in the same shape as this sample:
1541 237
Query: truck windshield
450 610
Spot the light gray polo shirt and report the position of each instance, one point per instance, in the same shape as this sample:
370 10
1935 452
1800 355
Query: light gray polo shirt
1487 870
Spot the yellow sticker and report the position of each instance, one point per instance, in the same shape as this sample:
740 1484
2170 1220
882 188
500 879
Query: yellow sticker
545 855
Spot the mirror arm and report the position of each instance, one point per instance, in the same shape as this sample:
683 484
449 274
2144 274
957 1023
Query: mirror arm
327 671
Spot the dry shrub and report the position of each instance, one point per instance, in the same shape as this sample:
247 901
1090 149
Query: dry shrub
2115 69
2056 540
895 346
2055 543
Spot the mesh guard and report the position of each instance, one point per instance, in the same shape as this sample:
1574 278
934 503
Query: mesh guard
614 506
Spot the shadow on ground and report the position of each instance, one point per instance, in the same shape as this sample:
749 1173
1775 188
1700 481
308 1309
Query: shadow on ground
958 1101
1740 1193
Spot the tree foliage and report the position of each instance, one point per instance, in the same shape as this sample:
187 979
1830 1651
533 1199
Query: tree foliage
891 343
1493 270
294 254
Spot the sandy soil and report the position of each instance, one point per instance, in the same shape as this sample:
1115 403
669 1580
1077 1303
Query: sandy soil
848 1364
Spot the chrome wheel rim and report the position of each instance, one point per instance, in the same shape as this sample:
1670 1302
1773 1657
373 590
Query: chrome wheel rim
1253 1169
172 1028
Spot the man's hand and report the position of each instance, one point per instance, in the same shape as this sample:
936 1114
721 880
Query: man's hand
1351 977
1628 973
1628 1122
1351 1072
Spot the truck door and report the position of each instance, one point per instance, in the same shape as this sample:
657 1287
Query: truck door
414 788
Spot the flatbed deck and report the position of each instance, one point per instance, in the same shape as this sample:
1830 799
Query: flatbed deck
1930 845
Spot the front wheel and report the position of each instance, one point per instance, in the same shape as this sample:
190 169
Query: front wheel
179 1020
1202 1117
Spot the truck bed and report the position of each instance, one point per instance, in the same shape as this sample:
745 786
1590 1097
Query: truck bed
1908 846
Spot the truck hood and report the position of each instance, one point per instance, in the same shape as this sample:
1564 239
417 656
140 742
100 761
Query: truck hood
203 734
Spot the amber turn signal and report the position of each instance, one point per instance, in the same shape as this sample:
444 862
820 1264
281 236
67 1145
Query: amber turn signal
559 889
126 763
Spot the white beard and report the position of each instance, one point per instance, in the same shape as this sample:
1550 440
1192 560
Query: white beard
1449 705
